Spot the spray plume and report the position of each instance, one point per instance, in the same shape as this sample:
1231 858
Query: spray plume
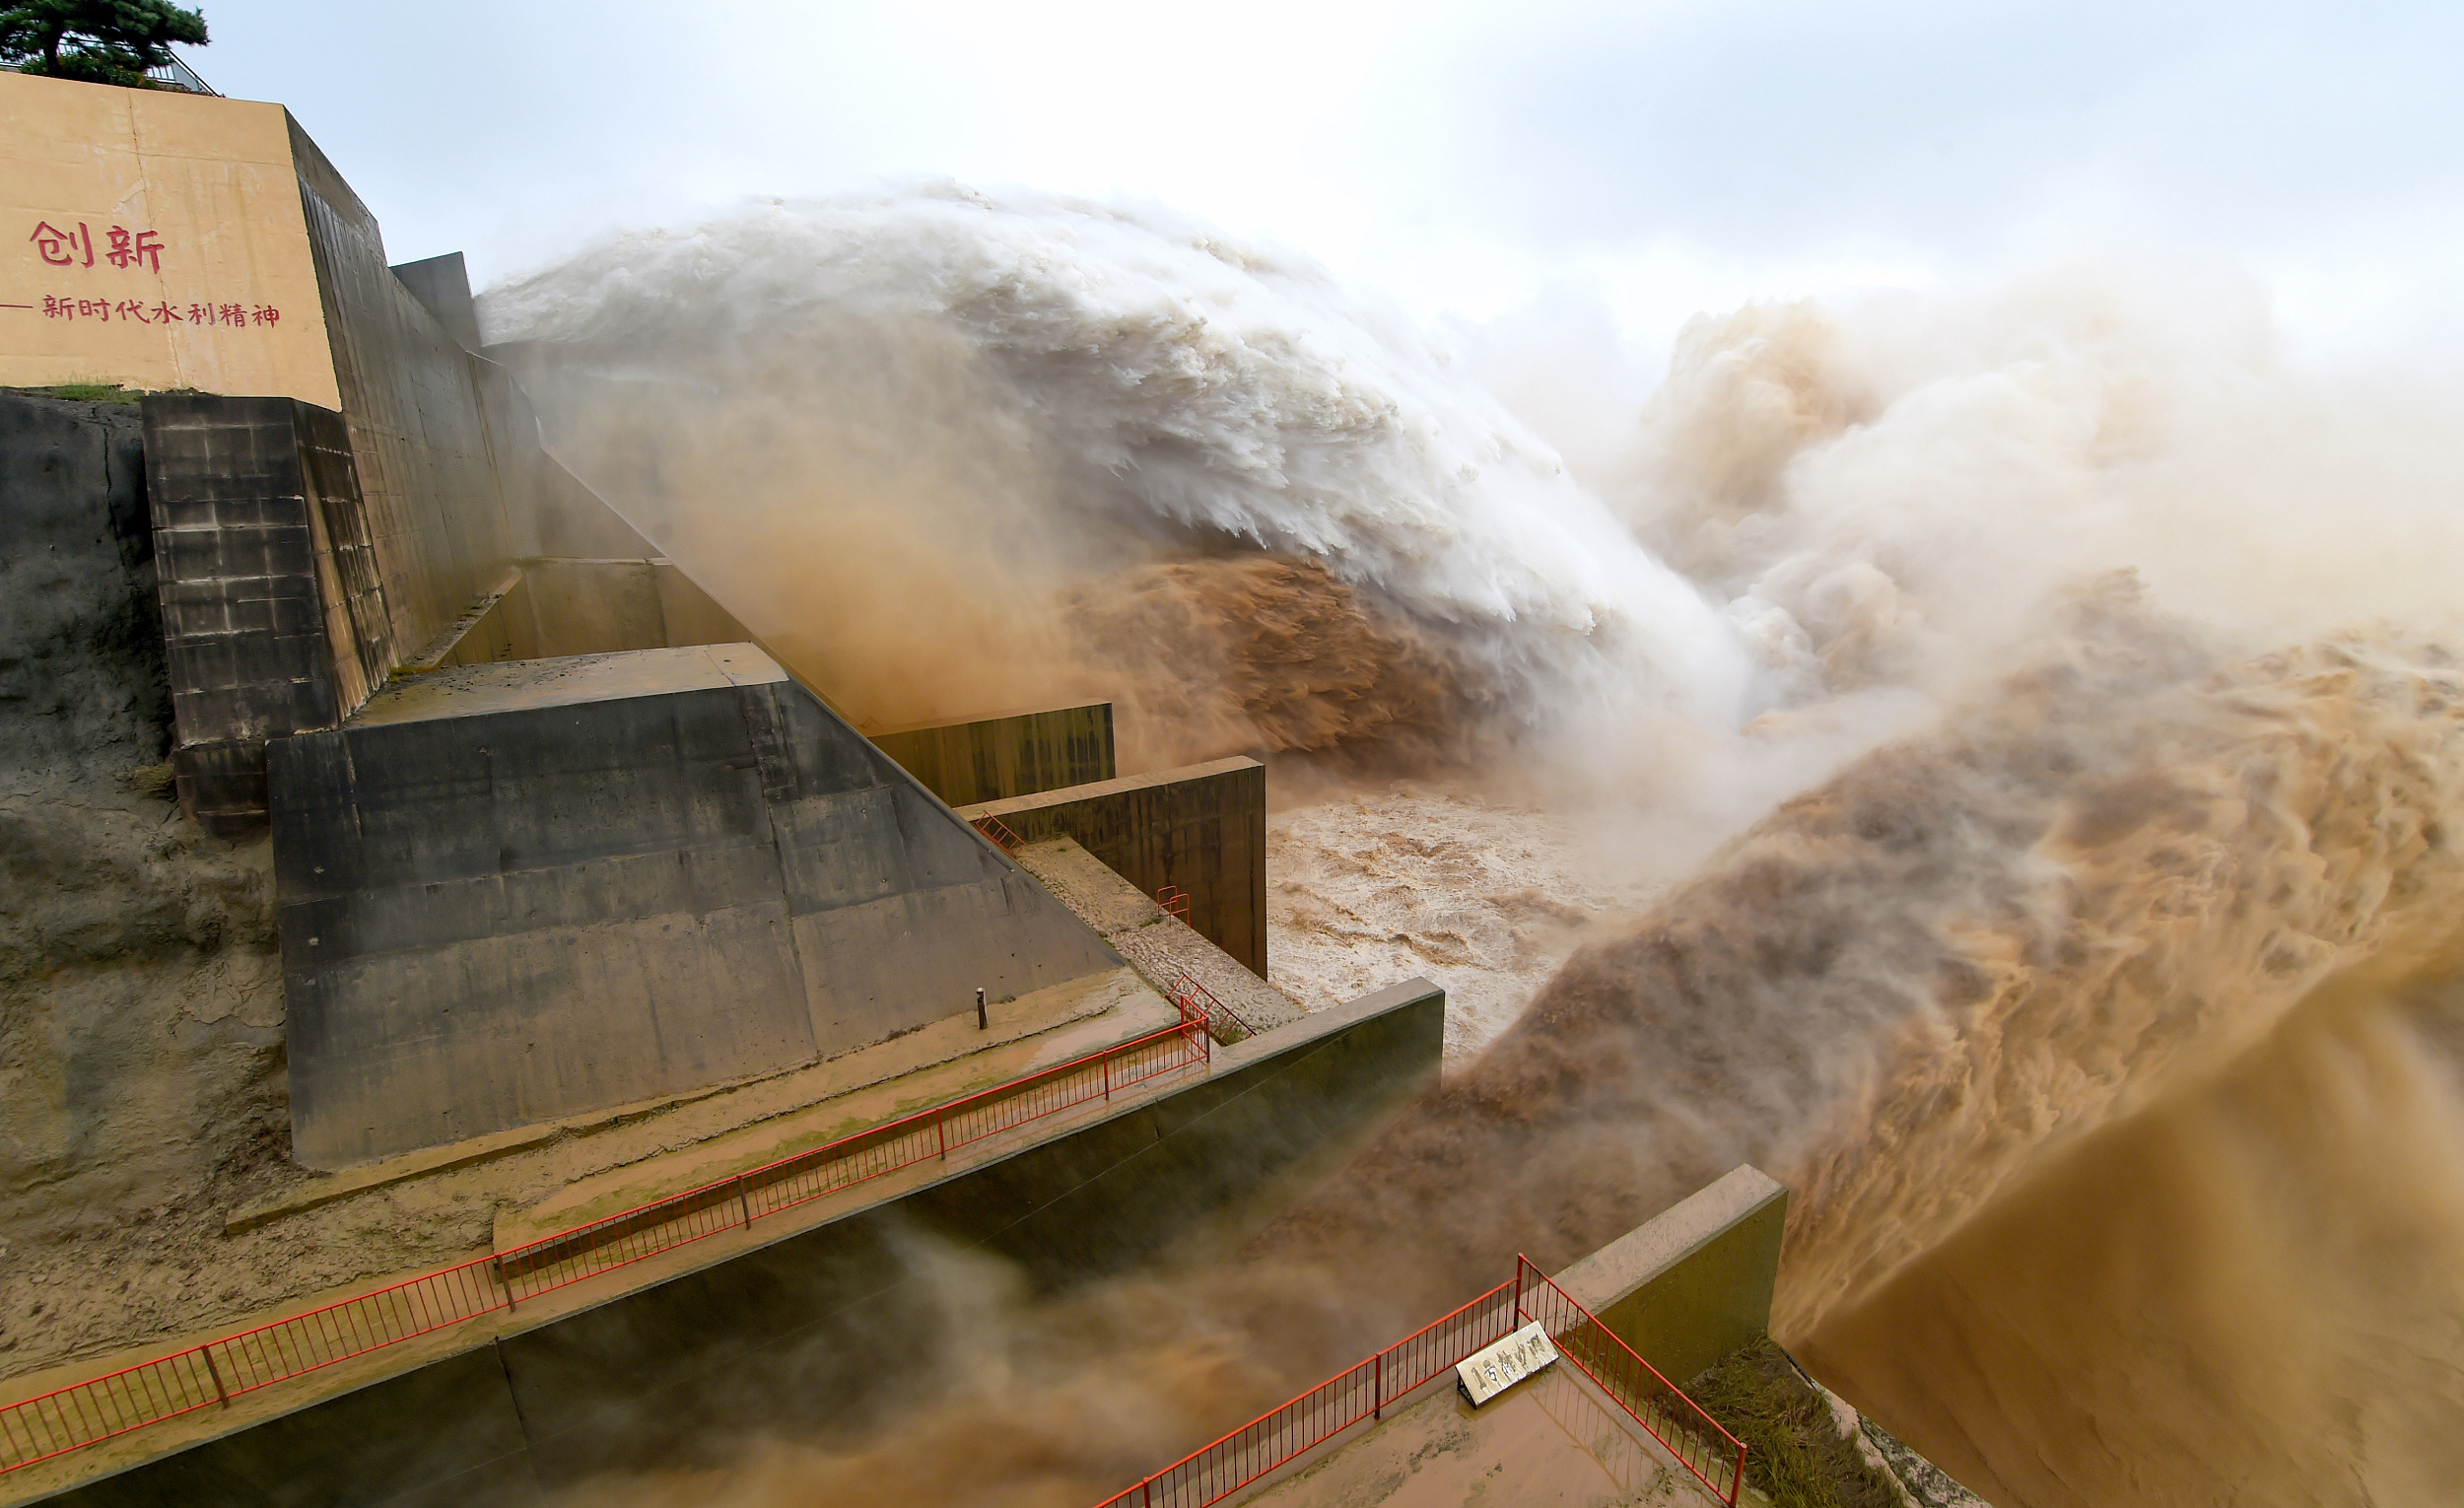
2047 681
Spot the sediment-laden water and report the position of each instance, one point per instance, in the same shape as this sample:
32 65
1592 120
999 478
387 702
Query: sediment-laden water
1989 759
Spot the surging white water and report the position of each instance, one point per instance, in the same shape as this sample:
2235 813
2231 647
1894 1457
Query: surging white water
954 452
1049 389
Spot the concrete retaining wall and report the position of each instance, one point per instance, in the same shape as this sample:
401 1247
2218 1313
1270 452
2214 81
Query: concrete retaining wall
80 645
1201 828
442 285
427 464
274 618
830 1324
1012 755
514 893
599 606
1695 1282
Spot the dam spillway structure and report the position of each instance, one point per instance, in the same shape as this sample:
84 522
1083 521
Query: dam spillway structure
553 870
489 1003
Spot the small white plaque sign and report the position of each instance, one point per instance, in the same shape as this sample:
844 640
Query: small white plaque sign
1485 1373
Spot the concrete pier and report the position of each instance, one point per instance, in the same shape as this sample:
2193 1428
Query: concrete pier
512 893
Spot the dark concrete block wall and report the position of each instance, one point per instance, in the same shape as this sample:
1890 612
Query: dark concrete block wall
1012 755
81 647
514 893
829 1326
273 617
1201 828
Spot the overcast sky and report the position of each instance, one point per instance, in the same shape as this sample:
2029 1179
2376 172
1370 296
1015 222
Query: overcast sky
1463 159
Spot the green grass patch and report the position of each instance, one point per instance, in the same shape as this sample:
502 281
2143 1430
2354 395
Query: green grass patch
1795 1454
95 392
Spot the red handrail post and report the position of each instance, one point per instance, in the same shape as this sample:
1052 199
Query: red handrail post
215 1372
1377 1389
1736 1484
744 1203
941 1133
1108 1076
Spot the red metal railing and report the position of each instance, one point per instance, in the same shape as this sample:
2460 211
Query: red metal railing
87 1412
1715 1457
1227 1025
999 831
1174 901
1215 1471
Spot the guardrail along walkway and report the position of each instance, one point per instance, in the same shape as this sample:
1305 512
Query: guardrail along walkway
1215 1471
211 1375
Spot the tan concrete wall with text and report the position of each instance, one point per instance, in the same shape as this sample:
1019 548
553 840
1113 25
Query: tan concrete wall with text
212 285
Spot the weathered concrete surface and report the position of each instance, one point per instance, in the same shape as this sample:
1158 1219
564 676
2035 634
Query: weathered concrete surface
930 1066
1201 828
1684 1289
442 285
274 619
555 608
81 649
788 1335
1160 944
599 606
1010 755
1694 1283
440 519
513 893
1554 1440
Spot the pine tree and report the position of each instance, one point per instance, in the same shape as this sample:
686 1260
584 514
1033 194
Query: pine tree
102 41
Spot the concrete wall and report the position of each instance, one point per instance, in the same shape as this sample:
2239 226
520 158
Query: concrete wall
825 1325
81 652
265 275
426 462
456 483
273 617
225 302
262 275
514 893
545 609
442 285
1012 755
1201 828
1695 1282
599 606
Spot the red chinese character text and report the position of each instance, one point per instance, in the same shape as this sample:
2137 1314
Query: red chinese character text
144 248
61 247
164 314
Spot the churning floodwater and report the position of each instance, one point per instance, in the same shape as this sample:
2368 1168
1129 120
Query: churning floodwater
1988 758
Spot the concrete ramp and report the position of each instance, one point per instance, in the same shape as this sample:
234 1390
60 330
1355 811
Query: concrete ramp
518 892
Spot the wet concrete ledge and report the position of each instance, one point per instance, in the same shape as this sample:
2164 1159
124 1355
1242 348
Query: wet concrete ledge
830 1324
